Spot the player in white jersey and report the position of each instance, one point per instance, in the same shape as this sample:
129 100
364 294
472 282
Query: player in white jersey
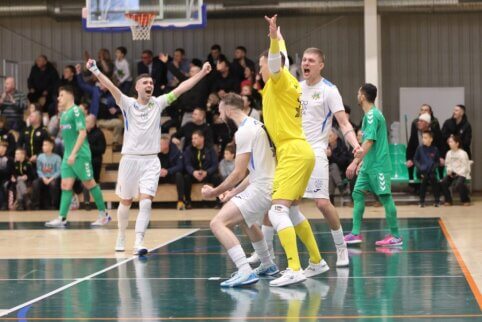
247 203
140 167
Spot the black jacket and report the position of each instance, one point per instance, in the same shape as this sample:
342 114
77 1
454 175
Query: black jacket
22 168
195 97
97 143
7 136
43 80
229 84
205 159
341 156
158 73
6 168
32 140
238 69
187 130
172 161
463 130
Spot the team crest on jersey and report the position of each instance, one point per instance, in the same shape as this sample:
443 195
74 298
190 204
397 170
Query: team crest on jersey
316 96
65 127
136 106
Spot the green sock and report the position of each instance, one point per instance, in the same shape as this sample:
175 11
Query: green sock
358 210
65 200
390 213
98 198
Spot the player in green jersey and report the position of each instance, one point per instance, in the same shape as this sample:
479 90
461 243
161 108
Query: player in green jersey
77 160
374 169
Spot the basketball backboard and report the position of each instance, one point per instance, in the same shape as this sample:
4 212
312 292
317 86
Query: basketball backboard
109 15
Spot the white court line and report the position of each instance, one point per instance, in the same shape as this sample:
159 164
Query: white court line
83 279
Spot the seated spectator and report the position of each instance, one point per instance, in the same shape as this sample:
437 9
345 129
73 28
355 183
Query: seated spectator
222 132
171 168
201 165
42 83
226 166
426 161
153 66
69 79
248 108
214 55
240 63
458 125
180 64
6 172
46 187
248 90
7 137
122 72
13 104
458 170
224 82
32 138
21 180
339 158
198 124
434 123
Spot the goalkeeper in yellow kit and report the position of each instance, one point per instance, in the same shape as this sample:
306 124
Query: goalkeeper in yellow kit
296 159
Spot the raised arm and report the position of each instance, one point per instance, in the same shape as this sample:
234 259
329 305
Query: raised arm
274 55
104 80
191 82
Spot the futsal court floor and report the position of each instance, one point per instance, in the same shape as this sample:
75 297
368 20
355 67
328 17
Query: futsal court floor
73 274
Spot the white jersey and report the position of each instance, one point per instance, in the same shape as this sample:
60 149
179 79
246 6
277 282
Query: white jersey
142 125
251 137
319 103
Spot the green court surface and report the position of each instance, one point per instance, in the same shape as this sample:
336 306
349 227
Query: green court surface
420 281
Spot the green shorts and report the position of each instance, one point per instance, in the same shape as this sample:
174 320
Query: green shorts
81 169
378 183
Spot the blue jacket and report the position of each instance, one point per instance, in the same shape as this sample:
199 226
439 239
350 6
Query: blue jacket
426 159
172 161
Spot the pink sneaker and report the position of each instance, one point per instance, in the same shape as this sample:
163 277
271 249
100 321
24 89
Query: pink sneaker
351 239
390 241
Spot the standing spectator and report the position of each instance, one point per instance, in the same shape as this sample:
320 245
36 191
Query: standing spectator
12 105
171 168
214 55
458 170
7 137
69 79
224 81
46 188
426 160
458 125
240 62
6 172
106 65
198 124
155 68
248 108
33 137
122 72
339 158
21 179
226 166
42 82
201 165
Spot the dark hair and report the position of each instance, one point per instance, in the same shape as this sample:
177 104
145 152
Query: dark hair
4 143
201 110
122 49
197 62
266 53
233 100
181 50
145 75
242 48
148 51
230 148
461 106
223 59
67 88
72 68
429 133
198 132
369 91
216 47
49 140
456 139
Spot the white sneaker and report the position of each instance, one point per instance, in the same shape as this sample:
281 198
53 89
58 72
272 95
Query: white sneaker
316 269
102 220
139 248
120 243
342 258
288 277
56 223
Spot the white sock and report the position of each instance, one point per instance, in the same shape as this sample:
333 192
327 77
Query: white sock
239 258
122 218
144 216
261 248
268 233
338 237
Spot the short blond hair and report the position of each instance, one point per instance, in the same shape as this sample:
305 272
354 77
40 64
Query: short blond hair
316 51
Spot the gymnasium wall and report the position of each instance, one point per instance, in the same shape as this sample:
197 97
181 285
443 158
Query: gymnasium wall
418 50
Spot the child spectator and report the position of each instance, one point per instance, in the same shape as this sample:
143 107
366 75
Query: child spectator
122 74
6 171
226 166
46 188
458 170
426 160
20 181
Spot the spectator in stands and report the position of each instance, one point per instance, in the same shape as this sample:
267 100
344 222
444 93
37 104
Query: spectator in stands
226 166
339 158
46 187
33 137
13 104
6 172
426 160
424 124
198 124
248 90
122 71
240 62
214 55
248 108
434 123
458 125
21 179
458 170
249 77
225 81
180 64
171 168
7 137
105 63
153 66
201 165
42 83
222 132
69 79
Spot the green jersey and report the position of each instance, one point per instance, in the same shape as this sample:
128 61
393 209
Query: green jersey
374 128
71 122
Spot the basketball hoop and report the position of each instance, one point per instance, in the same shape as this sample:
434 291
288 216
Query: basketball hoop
141 29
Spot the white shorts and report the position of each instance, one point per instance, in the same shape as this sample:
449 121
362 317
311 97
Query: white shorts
138 174
318 186
253 203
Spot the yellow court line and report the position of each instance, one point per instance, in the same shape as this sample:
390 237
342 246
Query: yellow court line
465 270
